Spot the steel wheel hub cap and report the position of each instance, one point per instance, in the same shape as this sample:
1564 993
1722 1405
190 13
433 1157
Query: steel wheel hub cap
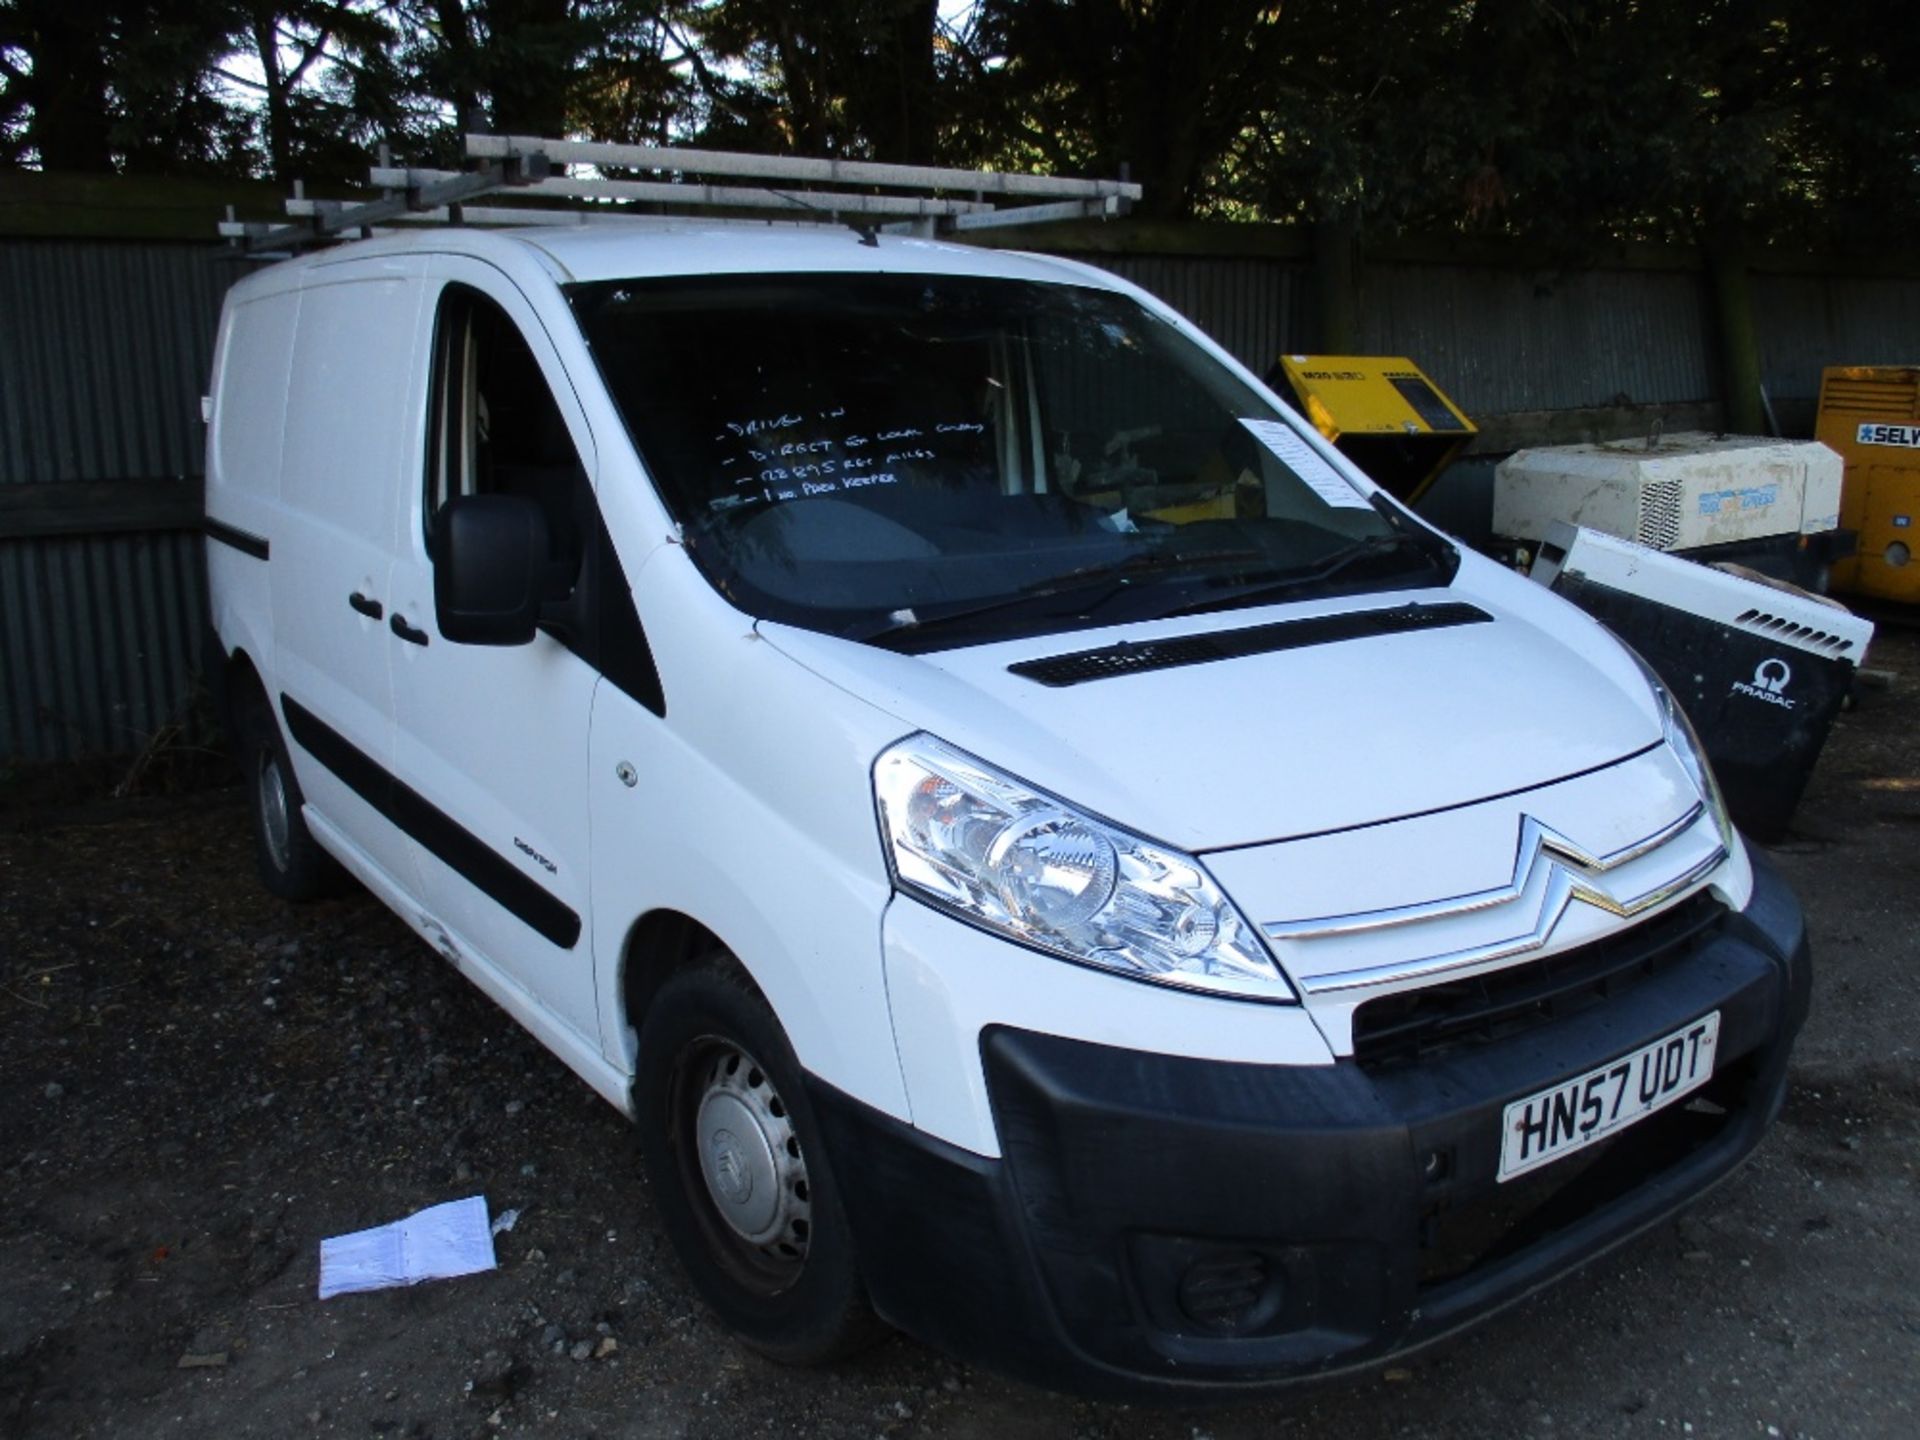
750 1157
273 810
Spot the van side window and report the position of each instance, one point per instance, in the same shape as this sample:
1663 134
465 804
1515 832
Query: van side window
495 428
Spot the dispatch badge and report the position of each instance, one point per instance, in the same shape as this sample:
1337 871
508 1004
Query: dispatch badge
1770 679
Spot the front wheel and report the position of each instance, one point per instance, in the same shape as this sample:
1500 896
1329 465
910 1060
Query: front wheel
740 1172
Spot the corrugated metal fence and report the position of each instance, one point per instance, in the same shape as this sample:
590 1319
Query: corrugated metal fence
104 356
1497 340
1257 309
104 352
105 348
97 641
1807 322
1501 339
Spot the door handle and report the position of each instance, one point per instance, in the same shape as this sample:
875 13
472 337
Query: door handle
369 608
406 632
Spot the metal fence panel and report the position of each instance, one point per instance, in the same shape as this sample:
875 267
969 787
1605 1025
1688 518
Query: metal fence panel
1501 340
104 354
1807 322
1251 306
97 641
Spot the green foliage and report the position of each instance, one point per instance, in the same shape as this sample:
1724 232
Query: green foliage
1566 121
1594 119
834 77
1163 86
89 83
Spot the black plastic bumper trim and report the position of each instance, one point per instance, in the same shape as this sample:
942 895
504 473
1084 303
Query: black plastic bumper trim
1074 1261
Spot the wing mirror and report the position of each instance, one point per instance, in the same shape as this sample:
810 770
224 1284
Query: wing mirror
492 570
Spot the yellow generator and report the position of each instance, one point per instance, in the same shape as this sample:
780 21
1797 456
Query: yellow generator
1380 412
1871 415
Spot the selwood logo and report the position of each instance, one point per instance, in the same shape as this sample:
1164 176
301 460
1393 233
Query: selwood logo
1907 435
1770 678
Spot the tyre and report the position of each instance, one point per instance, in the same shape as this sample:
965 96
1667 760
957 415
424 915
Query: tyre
740 1174
291 863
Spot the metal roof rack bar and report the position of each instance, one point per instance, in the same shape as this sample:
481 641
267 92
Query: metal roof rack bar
794 167
333 220
519 215
1105 208
521 163
716 196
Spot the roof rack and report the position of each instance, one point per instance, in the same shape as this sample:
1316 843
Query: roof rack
837 192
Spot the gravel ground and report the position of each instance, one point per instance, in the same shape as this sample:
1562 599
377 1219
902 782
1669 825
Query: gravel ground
198 1083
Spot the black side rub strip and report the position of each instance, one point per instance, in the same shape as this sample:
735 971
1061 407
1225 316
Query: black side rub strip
244 541
465 852
1133 659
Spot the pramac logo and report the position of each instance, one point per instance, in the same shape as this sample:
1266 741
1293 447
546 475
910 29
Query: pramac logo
1770 679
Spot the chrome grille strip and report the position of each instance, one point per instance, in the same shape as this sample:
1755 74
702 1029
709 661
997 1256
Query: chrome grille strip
1535 840
1563 888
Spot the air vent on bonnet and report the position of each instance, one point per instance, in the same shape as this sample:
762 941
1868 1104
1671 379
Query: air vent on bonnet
1132 659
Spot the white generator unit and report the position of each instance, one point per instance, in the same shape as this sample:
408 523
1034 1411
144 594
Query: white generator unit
1689 491
1760 671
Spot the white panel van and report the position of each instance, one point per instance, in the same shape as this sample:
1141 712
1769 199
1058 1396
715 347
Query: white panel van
1049 857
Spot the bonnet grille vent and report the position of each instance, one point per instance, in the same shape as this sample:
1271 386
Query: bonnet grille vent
1134 659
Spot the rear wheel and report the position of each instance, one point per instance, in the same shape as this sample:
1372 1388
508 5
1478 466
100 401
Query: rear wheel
291 863
740 1173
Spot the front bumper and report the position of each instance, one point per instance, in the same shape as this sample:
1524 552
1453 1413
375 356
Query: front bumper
1171 1227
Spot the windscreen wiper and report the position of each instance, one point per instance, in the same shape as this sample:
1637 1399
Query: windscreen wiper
1114 574
1430 547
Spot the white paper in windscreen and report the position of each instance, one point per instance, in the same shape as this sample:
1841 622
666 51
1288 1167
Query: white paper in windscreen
1306 462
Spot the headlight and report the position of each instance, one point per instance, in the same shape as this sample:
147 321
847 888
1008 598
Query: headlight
1686 746
1019 862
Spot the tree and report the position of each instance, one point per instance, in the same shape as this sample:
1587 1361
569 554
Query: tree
116 83
837 77
1165 87
632 81
325 88
1860 141
1583 120
536 67
55 62
1568 121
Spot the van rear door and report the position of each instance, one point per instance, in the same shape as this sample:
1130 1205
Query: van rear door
352 442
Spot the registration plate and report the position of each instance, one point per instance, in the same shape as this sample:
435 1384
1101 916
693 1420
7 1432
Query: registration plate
1580 1112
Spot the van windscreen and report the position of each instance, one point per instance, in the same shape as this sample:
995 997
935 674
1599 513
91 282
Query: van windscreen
936 459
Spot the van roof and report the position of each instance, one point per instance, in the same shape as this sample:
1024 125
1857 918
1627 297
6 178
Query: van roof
644 249
609 252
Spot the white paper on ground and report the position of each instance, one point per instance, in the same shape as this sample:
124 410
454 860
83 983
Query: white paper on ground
1306 462
437 1243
